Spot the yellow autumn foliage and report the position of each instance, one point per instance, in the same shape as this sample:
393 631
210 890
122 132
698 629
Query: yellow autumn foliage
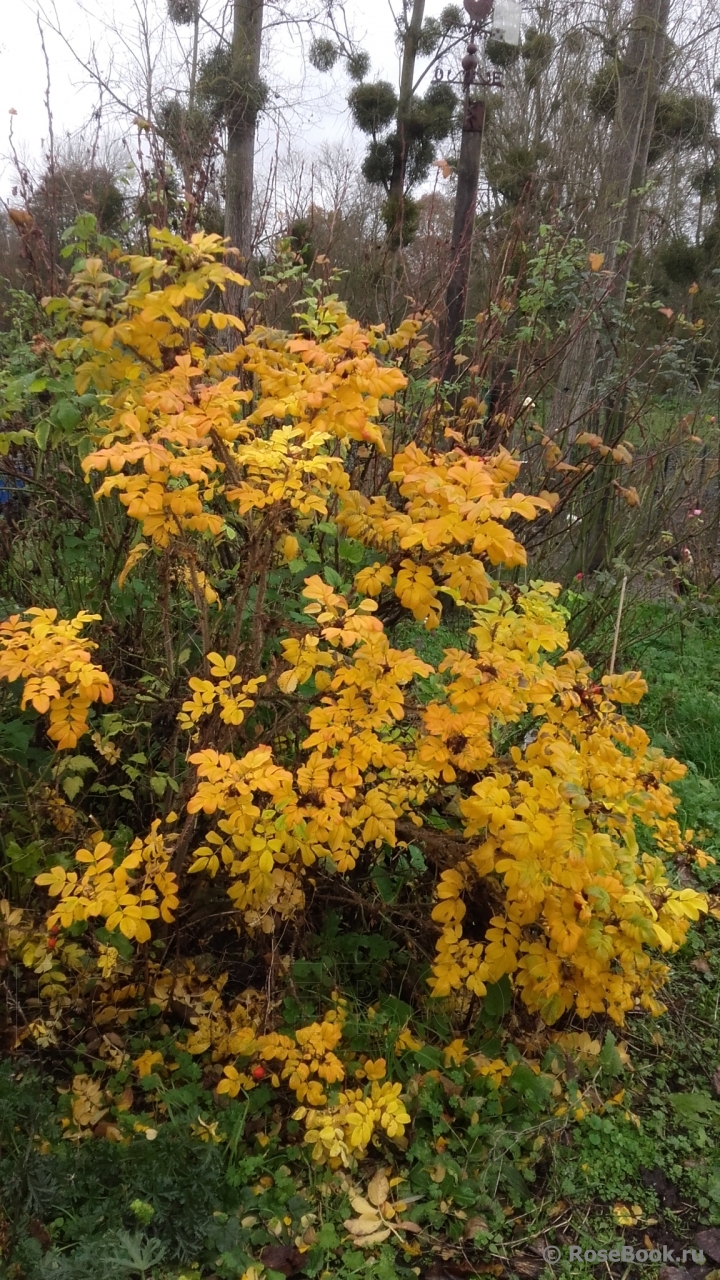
558 811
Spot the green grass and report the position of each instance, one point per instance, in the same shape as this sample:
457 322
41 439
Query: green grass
681 663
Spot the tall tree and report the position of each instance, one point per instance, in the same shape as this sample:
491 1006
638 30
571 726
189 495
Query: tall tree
410 41
625 164
405 127
247 97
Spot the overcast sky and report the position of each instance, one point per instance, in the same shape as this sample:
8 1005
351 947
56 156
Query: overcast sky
320 113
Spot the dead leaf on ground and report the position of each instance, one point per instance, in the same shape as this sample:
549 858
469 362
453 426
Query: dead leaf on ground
524 1266
376 1220
378 1189
473 1226
282 1257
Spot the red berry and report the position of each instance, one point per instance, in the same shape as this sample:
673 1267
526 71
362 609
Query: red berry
51 943
258 1072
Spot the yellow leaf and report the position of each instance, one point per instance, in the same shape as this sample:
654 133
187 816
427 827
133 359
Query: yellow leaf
378 1189
134 556
363 1226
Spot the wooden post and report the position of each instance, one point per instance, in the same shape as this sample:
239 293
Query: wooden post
616 637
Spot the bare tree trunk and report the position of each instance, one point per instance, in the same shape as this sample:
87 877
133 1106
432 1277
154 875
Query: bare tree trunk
639 174
462 233
247 99
596 544
396 199
624 170
194 59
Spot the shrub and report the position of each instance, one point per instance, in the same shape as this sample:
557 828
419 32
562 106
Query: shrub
498 790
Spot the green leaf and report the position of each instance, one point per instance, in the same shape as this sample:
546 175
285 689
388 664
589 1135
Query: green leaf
609 1058
694 1108
429 1057
24 861
67 415
387 886
327 1236
417 859
42 433
80 764
498 999
159 784
71 786
353 552
434 820
9 438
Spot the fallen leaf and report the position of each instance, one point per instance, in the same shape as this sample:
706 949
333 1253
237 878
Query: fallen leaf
105 1129
282 1257
596 261
700 965
378 1189
667 312
362 1206
525 1266
624 1216
364 1225
39 1232
377 1238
